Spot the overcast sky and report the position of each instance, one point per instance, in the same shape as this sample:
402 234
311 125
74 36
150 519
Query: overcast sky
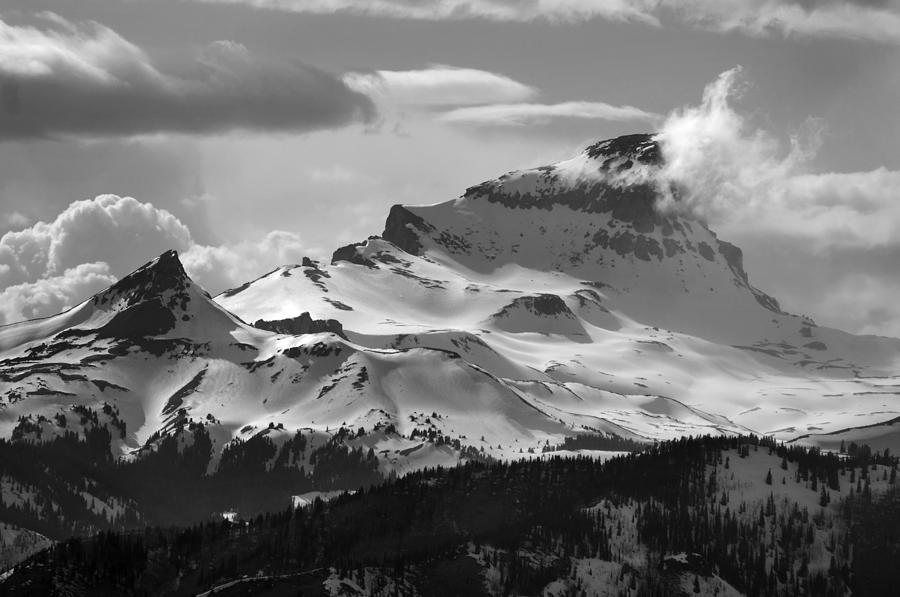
248 133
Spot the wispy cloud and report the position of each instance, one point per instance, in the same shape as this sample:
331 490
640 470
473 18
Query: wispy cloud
15 220
467 96
439 85
868 21
497 10
525 113
872 21
60 78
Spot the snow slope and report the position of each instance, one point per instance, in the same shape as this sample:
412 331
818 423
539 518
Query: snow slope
154 351
544 303
570 286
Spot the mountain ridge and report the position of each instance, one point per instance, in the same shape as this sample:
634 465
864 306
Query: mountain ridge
583 285
617 178
469 331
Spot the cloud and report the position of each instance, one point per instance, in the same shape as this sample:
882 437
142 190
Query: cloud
840 209
874 21
476 98
496 10
15 219
47 296
721 168
60 78
522 114
111 229
51 266
716 162
227 266
827 241
439 85
834 19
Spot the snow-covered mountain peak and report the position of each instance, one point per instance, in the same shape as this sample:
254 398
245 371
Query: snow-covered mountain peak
618 175
595 218
545 302
607 194
163 278
157 300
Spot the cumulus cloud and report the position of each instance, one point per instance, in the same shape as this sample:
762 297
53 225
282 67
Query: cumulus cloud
51 266
872 21
227 266
525 113
439 85
61 78
111 229
50 295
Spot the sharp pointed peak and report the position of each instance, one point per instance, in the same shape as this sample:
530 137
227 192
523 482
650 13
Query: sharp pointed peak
164 274
166 259
165 267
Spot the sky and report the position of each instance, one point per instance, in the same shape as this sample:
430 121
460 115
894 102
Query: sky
249 133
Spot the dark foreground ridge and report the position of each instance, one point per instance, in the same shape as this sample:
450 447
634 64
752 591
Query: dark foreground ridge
533 523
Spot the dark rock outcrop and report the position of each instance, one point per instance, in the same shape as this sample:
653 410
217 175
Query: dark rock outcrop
400 229
303 324
549 305
350 253
641 147
149 318
163 275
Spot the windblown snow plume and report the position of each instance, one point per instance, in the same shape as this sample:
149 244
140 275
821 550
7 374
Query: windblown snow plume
719 167
717 164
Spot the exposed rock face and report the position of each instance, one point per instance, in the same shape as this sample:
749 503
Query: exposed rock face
352 253
542 304
163 276
304 324
400 229
348 253
541 313
148 318
641 147
734 257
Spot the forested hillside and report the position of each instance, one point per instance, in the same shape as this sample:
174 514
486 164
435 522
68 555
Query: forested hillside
72 486
694 516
